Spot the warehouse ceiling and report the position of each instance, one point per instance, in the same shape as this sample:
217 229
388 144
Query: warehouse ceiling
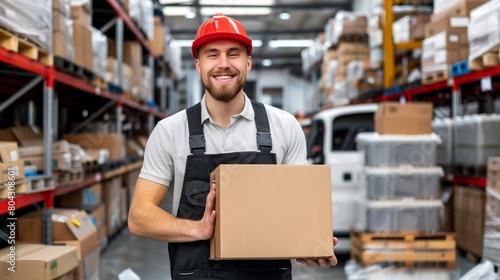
265 22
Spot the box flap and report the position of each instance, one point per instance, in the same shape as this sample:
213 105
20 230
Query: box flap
28 135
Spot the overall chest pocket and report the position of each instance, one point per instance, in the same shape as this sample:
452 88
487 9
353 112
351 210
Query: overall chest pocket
196 192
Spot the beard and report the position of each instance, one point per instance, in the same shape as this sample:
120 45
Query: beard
224 93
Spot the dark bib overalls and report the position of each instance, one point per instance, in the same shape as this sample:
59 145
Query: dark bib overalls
190 260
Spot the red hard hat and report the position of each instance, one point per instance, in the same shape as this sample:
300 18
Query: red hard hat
220 26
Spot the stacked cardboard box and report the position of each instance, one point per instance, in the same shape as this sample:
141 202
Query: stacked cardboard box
82 35
484 35
347 59
469 219
63 29
491 242
158 40
113 200
409 28
70 227
39 262
11 169
446 40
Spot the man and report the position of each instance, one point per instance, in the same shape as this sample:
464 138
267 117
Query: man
225 127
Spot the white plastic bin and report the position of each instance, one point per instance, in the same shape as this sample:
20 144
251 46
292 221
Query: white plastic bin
397 150
394 215
444 129
383 183
477 137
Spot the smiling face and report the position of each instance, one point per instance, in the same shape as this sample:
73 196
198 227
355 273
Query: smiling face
223 66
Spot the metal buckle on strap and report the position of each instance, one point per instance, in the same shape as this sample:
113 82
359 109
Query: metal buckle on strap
197 143
264 141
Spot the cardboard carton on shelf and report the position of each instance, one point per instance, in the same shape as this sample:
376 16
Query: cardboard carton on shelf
12 171
38 262
113 142
262 212
411 118
86 199
8 152
70 227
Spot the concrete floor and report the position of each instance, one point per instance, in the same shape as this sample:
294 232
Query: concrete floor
148 259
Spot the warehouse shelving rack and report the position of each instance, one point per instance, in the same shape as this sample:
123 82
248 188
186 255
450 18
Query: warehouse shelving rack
452 93
52 79
389 47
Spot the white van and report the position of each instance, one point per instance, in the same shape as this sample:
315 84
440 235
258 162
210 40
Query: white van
331 135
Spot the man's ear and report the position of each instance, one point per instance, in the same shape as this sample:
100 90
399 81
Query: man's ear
249 64
197 63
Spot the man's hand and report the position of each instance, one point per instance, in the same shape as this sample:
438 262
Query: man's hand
206 225
321 262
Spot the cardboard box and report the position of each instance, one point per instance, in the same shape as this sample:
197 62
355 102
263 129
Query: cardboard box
493 185
98 217
8 152
158 41
6 190
112 199
411 118
7 135
82 45
459 10
469 219
85 199
12 170
28 135
113 142
38 262
494 169
64 227
63 46
62 24
81 15
262 212
88 259
62 6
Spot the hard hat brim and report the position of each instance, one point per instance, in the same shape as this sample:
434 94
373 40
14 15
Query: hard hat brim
220 35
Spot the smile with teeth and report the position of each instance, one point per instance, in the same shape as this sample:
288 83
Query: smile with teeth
224 77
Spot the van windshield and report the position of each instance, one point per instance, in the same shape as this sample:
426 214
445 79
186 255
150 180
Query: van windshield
345 129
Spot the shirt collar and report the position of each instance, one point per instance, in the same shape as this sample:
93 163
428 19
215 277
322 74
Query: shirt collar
247 111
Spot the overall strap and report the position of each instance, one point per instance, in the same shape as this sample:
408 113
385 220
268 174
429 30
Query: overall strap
264 141
196 137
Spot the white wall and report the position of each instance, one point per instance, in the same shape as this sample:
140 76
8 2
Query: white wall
298 95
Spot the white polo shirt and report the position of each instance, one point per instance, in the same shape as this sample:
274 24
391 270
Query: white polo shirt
168 145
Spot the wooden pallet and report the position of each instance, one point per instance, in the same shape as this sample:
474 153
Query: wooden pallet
405 249
488 59
90 167
470 171
68 177
429 78
12 42
99 82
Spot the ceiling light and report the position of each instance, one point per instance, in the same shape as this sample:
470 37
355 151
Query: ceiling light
230 7
267 62
285 16
190 15
176 11
290 43
256 43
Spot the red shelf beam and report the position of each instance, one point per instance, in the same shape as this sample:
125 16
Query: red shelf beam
131 25
22 62
469 181
476 75
60 190
23 200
